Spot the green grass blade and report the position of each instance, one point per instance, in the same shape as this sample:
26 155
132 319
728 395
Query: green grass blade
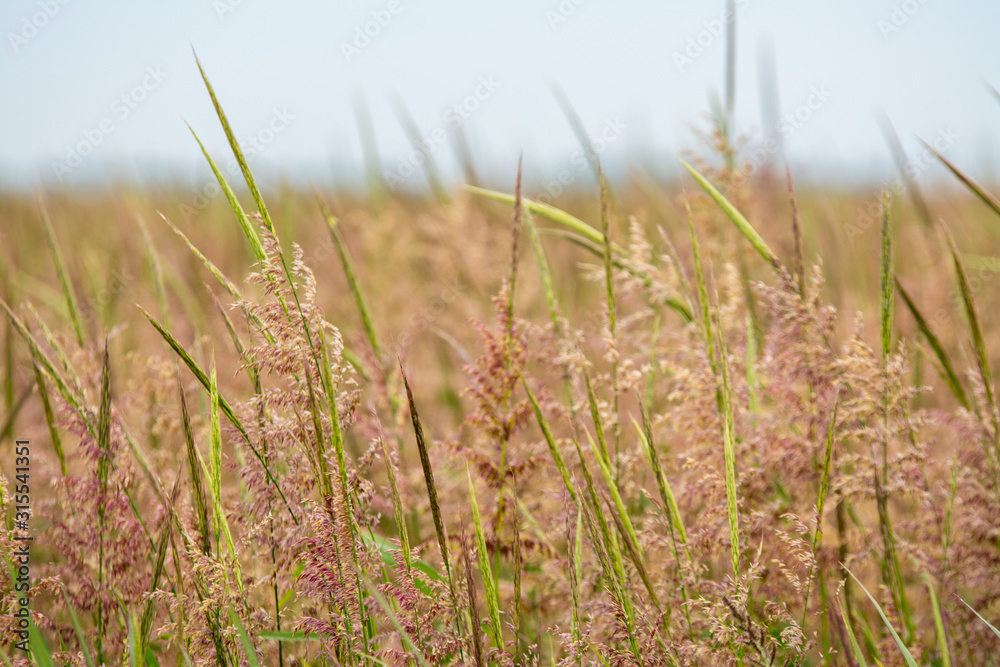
394 619
546 211
595 415
223 404
492 598
978 340
352 282
195 471
907 656
248 648
50 419
237 152
942 639
980 617
985 195
598 250
64 282
729 452
557 456
241 217
674 519
215 480
544 273
72 397
947 370
78 629
742 224
428 472
39 649
856 651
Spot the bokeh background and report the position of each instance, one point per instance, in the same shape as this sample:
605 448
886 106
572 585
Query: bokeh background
648 68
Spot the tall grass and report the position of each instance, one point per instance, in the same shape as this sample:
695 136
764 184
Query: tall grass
273 491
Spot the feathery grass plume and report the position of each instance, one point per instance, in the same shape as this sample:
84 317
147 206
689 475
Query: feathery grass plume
485 570
947 370
744 227
985 195
256 247
942 638
64 282
224 406
904 652
333 225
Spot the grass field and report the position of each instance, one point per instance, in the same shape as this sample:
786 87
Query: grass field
708 423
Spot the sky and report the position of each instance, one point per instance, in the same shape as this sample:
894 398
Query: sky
101 90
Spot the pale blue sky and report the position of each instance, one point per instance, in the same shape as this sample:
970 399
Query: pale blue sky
284 76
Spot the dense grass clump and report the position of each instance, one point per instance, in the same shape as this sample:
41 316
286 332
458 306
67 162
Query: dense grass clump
484 430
